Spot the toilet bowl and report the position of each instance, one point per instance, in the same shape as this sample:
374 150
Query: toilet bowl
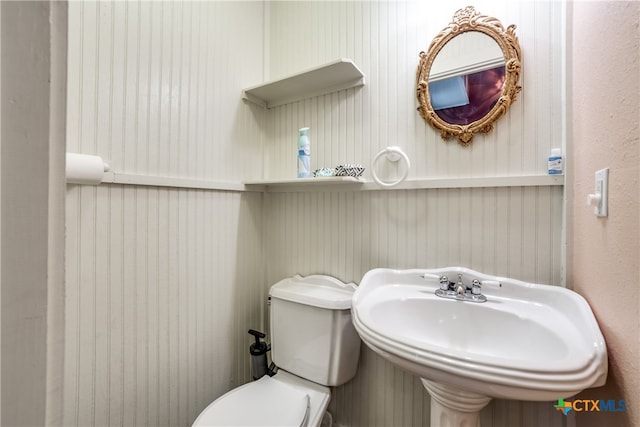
314 345
281 400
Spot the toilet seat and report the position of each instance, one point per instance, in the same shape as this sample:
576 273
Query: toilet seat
282 400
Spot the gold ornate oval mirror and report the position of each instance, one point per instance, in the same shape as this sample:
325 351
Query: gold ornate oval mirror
469 77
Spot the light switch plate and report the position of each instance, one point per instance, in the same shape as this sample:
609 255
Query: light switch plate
602 188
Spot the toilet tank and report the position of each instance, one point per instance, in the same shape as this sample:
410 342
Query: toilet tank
311 331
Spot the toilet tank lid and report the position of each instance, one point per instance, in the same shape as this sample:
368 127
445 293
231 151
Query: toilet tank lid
316 290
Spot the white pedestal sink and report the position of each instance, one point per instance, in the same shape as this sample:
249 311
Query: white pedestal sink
526 342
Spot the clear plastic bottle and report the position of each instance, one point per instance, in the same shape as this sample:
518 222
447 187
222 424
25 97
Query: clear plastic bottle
304 154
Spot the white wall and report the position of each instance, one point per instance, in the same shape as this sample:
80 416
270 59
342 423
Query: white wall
33 78
513 231
161 283
605 127
507 231
384 39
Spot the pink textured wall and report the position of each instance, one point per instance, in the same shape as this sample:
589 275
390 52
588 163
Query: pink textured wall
604 114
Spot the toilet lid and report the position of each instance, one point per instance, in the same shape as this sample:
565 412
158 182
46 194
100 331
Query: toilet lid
265 402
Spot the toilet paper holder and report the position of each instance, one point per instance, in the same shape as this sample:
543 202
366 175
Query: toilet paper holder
85 169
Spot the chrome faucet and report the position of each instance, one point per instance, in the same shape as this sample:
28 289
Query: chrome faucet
459 291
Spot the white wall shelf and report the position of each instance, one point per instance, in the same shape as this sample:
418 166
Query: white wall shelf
304 184
332 183
360 184
174 182
331 77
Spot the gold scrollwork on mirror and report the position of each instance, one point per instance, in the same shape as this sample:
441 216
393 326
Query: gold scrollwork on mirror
469 77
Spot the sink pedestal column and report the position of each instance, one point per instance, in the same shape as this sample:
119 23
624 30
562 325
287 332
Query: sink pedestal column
454 407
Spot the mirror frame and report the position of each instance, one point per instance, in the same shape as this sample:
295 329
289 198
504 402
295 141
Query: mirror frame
465 20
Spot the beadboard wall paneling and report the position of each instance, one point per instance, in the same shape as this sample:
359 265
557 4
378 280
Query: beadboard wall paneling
161 288
384 39
513 232
161 284
508 231
154 87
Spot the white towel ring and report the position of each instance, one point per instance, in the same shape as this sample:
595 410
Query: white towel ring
392 154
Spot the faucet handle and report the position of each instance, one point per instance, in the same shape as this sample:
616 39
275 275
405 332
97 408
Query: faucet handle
476 287
443 280
444 283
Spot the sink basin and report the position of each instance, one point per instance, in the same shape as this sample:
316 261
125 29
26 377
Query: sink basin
526 342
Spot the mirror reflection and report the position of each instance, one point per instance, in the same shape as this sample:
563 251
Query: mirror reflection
465 99
469 77
466 78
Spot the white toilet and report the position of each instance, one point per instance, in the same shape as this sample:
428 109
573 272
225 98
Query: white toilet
314 345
